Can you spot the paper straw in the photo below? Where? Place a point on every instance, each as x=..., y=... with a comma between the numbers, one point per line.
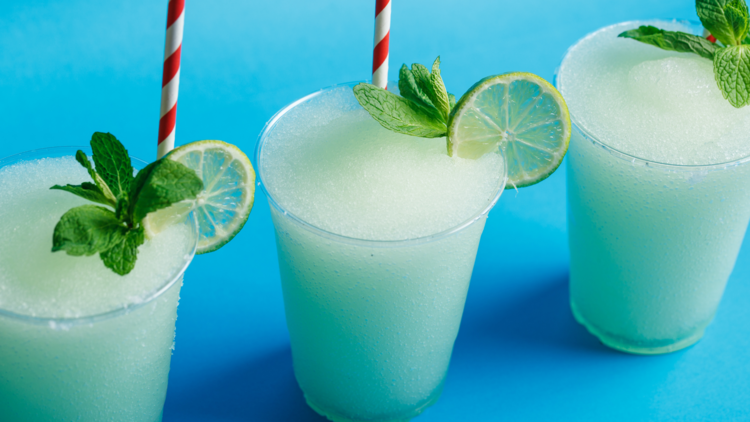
x=170, y=82
x=382, y=34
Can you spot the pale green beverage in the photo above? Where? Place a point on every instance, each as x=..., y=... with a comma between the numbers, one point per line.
x=377, y=234
x=658, y=189
x=77, y=341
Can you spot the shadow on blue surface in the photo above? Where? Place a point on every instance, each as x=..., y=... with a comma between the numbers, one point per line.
x=261, y=390
x=538, y=317
x=516, y=335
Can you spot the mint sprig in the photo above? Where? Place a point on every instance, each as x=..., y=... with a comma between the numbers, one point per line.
x=673, y=41
x=728, y=21
x=115, y=233
x=423, y=108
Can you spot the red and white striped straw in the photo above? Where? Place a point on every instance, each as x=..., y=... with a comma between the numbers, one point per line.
x=382, y=34
x=170, y=82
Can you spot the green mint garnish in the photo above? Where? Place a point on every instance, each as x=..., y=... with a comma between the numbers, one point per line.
x=104, y=194
x=121, y=257
x=438, y=94
x=673, y=41
x=732, y=70
x=411, y=89
x=728, y=21
x=725, y=20
x=112, y=162
x=86, y=230
x=163, y=183
x=116, y=232
x=423, y=109
x=86, y=190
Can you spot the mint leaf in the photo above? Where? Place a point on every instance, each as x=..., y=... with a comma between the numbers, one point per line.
x=139, y=181
x=425, y=88
x=112, y=162
x=86, y=230
x=425, y=81
x=163, y=183
x=409, y=89
x=87, y=191
x=732, y=73
x=422, y=78
x=737, y=18
x=439, y=95
x=719, y=21
x=121, y=257
x=100, y=183
x=452, y=100
x=673, y=41
x=399, y=114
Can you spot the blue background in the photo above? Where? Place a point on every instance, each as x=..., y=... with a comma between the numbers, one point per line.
x=69, y=68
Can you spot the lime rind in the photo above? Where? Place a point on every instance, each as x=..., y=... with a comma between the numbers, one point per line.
x=224, y=205
x=521, y=115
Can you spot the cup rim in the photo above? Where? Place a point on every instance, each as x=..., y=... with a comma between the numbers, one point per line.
x=67, y=322
x=634, y=159
x=348, y=239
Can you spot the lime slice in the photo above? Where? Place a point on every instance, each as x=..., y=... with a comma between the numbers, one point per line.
x=224, y=204
x=519, y=113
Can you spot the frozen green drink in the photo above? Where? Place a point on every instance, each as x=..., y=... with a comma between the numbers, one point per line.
x=377, y=234
x=77, y=341
x=658, y=189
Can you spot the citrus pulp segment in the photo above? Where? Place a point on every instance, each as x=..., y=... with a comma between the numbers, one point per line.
x=223, y=206
x=521, y=114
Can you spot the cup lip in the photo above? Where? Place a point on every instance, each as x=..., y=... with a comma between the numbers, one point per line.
x=634, y=159
x=66, y=323
x=348, y=239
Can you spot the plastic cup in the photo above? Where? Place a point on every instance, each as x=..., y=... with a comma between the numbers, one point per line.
x=651, y=244
x=110, y=366
x=371, y=323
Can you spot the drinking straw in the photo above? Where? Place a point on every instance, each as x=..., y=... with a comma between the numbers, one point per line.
x=382, y=34
x=170, y=82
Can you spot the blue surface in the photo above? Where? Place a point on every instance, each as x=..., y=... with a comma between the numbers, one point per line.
x=70, y=68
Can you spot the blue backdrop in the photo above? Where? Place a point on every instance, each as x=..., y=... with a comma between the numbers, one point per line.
x=69, y=68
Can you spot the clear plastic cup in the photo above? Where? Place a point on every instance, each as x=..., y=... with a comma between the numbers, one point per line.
x=372, y=323
x=112, y=365
x=651, y=244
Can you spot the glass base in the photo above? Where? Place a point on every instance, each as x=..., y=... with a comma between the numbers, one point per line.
x=337, y=417
x=640, y=348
